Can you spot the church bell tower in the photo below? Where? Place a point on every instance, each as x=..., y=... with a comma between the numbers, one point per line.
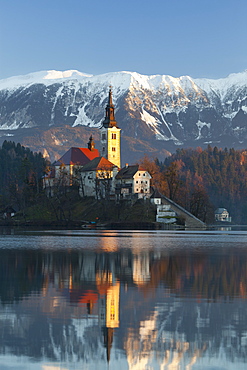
x=110, y=135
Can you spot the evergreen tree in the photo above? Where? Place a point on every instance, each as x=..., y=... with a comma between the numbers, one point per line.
x=21, y=173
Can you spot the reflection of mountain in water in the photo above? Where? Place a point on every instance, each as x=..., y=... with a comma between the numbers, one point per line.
x=157, y=307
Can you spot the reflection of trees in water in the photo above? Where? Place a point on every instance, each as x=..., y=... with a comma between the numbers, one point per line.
x=20, y=274
x=201, y=275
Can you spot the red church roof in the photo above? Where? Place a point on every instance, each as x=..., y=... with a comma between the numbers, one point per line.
x=77, y=156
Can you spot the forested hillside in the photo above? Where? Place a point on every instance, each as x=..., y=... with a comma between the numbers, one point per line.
x=21, y=173
x=203, y=180
x=199, y=180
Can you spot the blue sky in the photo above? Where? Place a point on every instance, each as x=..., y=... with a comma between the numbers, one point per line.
x=197, y=38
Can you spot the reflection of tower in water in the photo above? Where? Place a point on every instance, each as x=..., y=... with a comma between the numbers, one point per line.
x=109, y=290
x=93, y=287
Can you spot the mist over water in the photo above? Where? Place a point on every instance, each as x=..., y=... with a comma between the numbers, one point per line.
x=126, y=300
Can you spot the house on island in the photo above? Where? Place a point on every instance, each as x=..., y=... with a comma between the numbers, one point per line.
x=97, y=178
x=75, y=158
x=221, y=214
x=66, y=171
x=156, y=197
x=8, y=212
x=133, y=180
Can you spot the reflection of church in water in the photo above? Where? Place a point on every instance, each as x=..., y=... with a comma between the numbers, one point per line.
x=92, y=281
x=157, y=294
x=97, y=290
x=101, y=296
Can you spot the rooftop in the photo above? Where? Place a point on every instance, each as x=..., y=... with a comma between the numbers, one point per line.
x=129, y=171
x=99, y=163
x=77, y=156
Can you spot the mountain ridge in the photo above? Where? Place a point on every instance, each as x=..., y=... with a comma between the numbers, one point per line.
x=157, y=111
x=50, y=76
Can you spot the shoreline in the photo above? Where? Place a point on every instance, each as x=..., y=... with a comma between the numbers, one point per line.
x=121, y=225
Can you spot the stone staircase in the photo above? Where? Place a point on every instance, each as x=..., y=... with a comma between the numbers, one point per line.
x=168, y=212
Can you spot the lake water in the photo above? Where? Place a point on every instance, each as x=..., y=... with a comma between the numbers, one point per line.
x=123, y=300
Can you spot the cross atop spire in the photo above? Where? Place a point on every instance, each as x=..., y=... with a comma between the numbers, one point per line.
x=109, y=120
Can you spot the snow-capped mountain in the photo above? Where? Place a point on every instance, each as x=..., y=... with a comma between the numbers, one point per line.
x=52, y=110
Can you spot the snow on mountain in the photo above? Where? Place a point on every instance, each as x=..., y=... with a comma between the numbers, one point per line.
x=125, y=79
x=43, y=77
x=153, y=109
x=222, y=85
x=54, y=75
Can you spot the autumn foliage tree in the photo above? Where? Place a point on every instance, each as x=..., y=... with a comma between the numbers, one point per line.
x=222, y=174
x=158, y=180
x=203, y=180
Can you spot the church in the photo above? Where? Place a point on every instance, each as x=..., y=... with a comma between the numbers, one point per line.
x=99, y=173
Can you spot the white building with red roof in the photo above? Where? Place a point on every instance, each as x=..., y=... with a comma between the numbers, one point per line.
x=98, y=178
x=76, y=158
x=66, y=171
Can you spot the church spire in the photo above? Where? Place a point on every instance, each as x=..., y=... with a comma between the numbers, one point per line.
x=90, y=144
x=109, y=120
x=110, y=97
x=110, y=134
